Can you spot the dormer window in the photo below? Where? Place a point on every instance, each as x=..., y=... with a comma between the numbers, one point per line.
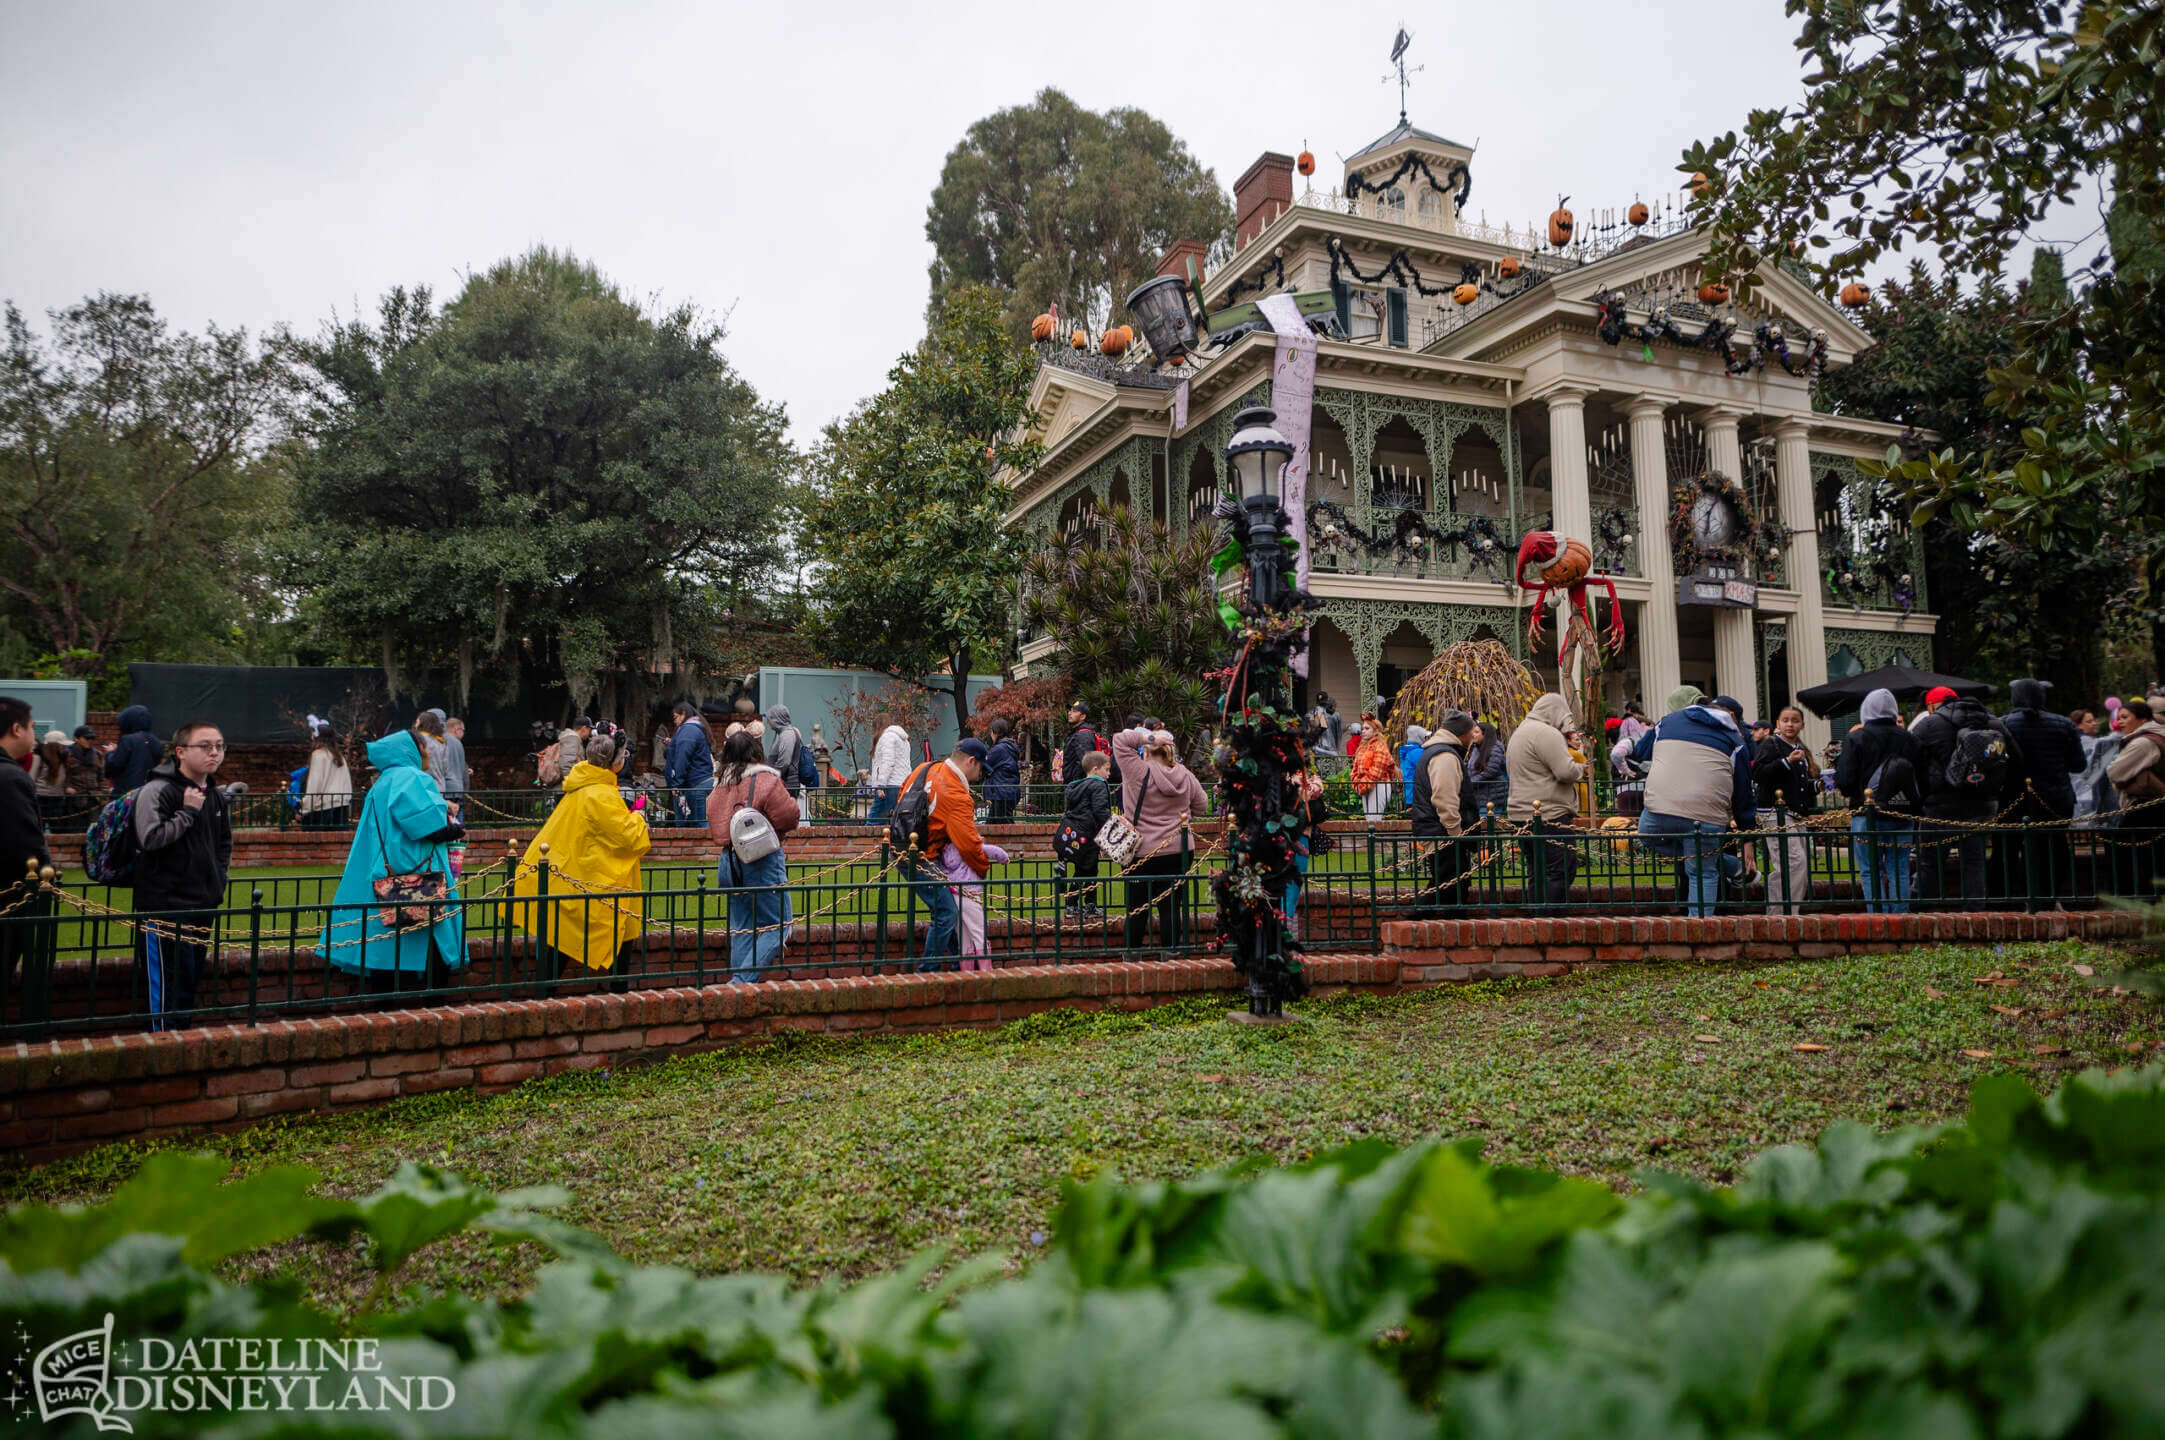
x=1431, y=209
x=1391, y=205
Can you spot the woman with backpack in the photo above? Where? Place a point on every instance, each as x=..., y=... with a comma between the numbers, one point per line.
x=748, y=814
x=327, y=787
x=49, y=773
x=1160, y=796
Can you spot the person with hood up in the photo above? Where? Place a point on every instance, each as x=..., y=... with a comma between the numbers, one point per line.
x=1877, y=772
x=1960, y=735
x=1441, y=801
x=2052, y=753
x=592, y=845
x=1698, y=782
x=128, y=763
x=1003, y=775
x=688, y=763
x=1409, y=755
x=1544, y=781
x=890, y=767
x=384, y=927
x=1372, y=768
x=785, y=752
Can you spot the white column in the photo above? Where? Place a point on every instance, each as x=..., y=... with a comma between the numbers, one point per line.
x=1571, y=508
x=1736, y=665
x=1660, y=662
x=1808, y=628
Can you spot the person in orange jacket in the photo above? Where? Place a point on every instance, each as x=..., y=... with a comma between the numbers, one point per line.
x=953, y=822
x=1373, y=767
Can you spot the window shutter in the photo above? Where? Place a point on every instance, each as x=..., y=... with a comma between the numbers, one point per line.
x=1395, y=316
x=1342, y=302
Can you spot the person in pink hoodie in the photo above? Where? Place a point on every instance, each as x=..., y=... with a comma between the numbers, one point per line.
x=969, y=891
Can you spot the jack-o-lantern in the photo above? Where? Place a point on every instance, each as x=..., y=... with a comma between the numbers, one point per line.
x=1560, y=226
x=1115, y=341
x=1306, y=164
x=1713, y=292
x=1078, y=339
x=1508, y=267
x=1041, y=328
x=1855, y=294
x=1637, y=213
x=1697, y=183
x=1466, y=294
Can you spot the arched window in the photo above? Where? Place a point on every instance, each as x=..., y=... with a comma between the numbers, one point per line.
x=1431, y=209
x=1391, y=205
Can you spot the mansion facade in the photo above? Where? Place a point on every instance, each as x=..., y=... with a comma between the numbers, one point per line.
x=1473, y=384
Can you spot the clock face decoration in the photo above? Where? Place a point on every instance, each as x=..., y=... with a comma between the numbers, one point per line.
x=1713, y=523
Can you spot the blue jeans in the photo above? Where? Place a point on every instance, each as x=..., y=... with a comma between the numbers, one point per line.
x=695, y=797
x=930, y=883
x=883, y=801
x=758, y=911
x=1881, y=851
x=1695, y=844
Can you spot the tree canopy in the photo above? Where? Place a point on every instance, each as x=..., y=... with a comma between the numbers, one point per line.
x=542, y=480
x=135, y=474
x=1963, y=126
x=906, y=519
x=1050, y=202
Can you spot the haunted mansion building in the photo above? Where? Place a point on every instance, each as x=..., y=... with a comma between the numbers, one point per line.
x=1472, y=383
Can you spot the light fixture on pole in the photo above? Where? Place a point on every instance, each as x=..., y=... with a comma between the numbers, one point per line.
x=1257, y=456
x=1160, y=307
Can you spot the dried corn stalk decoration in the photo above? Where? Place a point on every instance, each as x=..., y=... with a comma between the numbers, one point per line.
x=1479, y=677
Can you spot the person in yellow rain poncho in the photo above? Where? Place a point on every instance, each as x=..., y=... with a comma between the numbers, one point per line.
x=594, y=842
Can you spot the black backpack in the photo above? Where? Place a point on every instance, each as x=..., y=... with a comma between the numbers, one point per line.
x=909, y=824
x=1978, y=764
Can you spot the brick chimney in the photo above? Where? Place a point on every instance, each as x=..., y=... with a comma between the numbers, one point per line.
x=1263, y=193
x=1177, y=255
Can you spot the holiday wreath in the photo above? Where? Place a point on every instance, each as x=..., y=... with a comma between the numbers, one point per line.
x=1754, y=540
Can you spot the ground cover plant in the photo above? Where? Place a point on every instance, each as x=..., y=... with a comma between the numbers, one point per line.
x=824, y=1159
x=2001, y=1277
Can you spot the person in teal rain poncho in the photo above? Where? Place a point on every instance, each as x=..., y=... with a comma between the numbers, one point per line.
x=403, y=828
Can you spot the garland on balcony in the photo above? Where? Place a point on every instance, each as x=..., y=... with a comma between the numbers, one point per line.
x=1768, y=341
x=1407, y=534
x=1399, y=267
x=1271, y=274
x=1755, y=540
x=1355, y=183
x=1855, y=577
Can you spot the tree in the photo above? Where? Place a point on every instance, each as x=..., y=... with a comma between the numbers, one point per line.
x=908, y=514
x=1051, y=202
x=860, y=720
x=542, y=478
x=1034, y=710
x=1963, y=125
x=2006, y=607
x=135, y=475
x=1135, y=614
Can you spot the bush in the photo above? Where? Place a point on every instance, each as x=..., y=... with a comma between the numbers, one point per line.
x=2005, y=1277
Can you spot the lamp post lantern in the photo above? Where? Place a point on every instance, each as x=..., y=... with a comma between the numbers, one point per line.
x=1160, y=307
x=1262, y=749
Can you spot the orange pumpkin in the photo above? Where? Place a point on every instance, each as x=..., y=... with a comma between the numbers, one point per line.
x=1637, y=213
x=1697, y=183
x=1855, y=294
x=1713, y=293
x=1466, y=294
x=1078, y=339
x=1560, y=223
x=1115, y=341
x=1508, y=266
x=1041, y=328
x=989, y=456
x=1306, y=164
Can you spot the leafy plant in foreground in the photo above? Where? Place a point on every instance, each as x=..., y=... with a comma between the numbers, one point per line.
x=2004, y=1277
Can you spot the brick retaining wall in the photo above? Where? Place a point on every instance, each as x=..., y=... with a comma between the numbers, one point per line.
x=63, y=1096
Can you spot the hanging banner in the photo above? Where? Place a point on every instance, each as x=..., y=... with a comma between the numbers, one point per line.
x=1292, y=396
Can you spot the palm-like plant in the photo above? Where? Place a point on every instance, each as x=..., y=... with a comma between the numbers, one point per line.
x=1132, y=607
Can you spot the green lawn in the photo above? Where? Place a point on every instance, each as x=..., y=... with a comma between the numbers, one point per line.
x=829, y=1157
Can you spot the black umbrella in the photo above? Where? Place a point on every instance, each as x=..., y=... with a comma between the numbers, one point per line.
x=1839, y=697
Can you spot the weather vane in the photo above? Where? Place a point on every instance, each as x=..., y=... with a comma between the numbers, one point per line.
x=1399, y=46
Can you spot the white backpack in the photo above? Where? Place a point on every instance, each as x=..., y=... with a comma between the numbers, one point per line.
x=751, y=833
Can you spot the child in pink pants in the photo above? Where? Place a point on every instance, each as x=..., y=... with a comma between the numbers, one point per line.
x=969, y=890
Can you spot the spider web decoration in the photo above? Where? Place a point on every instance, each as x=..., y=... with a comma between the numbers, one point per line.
x=1612, y=489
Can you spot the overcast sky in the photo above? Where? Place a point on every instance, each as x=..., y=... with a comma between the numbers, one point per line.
x=274, y=163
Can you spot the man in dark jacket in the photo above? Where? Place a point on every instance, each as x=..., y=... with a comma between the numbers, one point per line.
x=1955, y=807
x=688, y=768
x=1081, y=740
x=1003, y=774
x=2051, y=749
x=25, y=933
x=184, y=845
x=128, y=764
x=1877, y=772
x=1442, y=806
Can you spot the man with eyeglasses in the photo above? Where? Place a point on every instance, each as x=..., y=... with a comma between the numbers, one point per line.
x=184, y=844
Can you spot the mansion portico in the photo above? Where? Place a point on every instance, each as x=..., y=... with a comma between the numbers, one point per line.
x=1474, y=383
